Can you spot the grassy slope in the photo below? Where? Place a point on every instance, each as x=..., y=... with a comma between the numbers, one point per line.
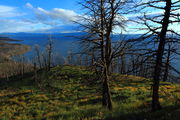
x=72, y=93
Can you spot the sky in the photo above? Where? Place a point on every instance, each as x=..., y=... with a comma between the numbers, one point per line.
x=37, y=15
x=43, y=16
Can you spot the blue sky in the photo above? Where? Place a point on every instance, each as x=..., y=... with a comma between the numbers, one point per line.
x=46, y=4
x=44, y=16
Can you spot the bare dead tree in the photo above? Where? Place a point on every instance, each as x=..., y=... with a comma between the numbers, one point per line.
x=158, y=29
x=171, y=51
x=99, y=22
x=167, y=63
x=49, y=48
x=39, y=57
x=70, y=57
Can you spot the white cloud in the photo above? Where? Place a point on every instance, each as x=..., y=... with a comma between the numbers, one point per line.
x=14, y=26
x=8, y=11
x=54, y=16
x=134, y=16
x=66, y=15
x=28, y=5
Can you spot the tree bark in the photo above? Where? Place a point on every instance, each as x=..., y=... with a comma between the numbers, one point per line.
x=106, y=91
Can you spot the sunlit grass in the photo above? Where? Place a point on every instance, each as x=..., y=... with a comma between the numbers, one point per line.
x=76, y=95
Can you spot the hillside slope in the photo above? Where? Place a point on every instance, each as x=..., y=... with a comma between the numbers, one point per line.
x=73, y=93
x=10, y=51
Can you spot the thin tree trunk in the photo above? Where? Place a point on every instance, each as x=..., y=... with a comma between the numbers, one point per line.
x=166, y=72
x=35, y=74
x=155, y=97
x=106, y=91
x=123, y=70
x=104, y=102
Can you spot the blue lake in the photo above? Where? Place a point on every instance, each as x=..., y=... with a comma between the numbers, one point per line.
x=63, y=42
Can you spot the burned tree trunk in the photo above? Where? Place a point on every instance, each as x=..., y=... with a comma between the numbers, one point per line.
x=106, y=100
x=37, y=50
x=155, y=97
x=49, y=51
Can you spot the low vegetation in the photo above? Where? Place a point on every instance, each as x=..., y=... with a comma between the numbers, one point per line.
x=73, y=93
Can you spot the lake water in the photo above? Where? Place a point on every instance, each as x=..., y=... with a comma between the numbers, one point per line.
x=62, y=42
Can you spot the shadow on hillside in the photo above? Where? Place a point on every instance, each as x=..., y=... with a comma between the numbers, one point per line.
x=167, y=113
x=18, y=80
x=5, y=83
